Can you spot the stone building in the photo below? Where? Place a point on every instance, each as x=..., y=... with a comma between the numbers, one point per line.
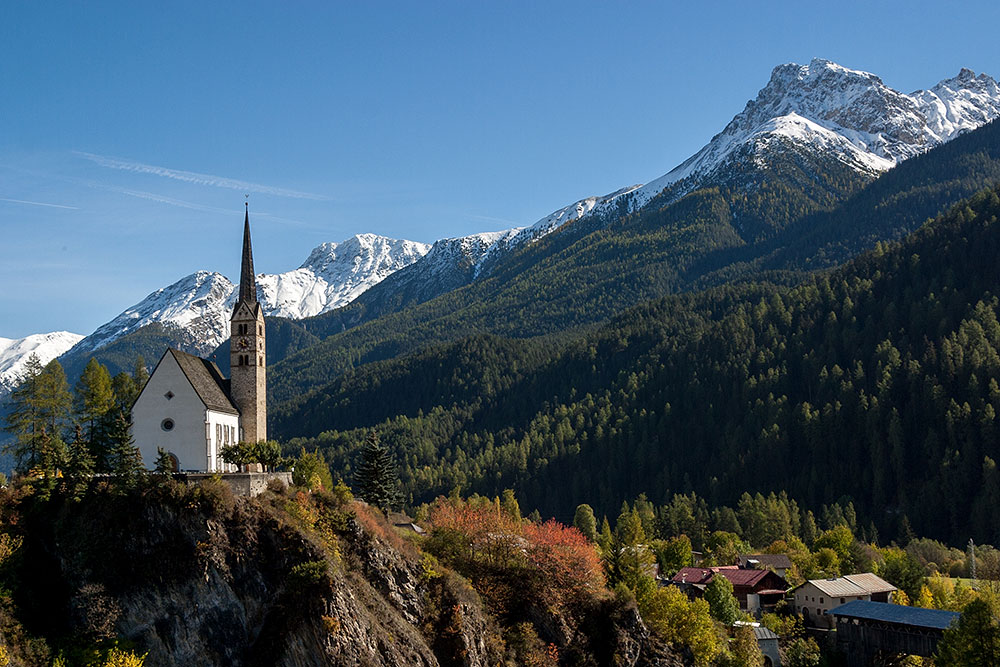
x=188, y=409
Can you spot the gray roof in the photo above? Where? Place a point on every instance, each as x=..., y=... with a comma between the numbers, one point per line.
x=893, y=613
x=762, y=633
x=852, y=584
x=207, y=380
x=776, y=561
x=870, y=582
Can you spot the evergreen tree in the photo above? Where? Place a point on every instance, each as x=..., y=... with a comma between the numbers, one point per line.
x=376, y=479
x=585, y=521
x=125, y=459
x=80, y=467
x=40, y=408
x=164, y=462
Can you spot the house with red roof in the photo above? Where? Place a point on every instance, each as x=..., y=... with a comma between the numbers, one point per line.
x=755, y=590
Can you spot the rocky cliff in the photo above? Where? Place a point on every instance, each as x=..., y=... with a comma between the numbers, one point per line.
x=195, y=576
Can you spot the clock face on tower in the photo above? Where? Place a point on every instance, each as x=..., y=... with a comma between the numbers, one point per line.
x=243, y=344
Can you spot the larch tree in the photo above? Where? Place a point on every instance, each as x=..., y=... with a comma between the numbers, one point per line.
x=40, y=410
x=94, y=399
x=585, y=521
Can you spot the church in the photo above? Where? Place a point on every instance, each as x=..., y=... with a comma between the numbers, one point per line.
x=190, y=410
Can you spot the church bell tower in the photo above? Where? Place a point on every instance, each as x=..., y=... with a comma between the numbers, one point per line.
x=246, y=355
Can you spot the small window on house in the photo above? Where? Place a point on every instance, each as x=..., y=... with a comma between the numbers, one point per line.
x=821, y=600
x=842, y=600
x=261, y=360
x=167, y=424
x=260, y=330
x=168, y=395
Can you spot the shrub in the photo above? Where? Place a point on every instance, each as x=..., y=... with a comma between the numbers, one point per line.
x=313, y=575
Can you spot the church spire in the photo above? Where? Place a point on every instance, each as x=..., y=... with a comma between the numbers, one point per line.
x=248, y=282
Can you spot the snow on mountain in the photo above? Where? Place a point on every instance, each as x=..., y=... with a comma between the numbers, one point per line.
x=14, y=353
x=822, y=107
x=848, y=114
x=475, y=254
x=199, y=305
x=335, y=274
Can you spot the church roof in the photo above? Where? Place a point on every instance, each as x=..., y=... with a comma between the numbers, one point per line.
x=207, y=380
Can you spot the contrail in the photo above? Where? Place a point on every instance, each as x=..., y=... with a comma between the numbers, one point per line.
x=196, y=178
x=38, y=203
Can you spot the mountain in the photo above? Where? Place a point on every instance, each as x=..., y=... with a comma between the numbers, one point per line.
x=813, y=136
x=594, y=267
x=846, y=115
x=195, y=310
x=453, y=263
x=14, y=353
x=335, y=274
x=878, y=383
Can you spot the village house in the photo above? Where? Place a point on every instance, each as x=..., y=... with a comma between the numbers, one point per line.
x=780, y=563
x=755, y=590
x=815, y=598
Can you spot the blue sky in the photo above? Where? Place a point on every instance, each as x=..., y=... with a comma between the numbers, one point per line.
x=130, y=132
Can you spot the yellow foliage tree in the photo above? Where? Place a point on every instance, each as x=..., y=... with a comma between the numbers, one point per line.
x=682, y=622
x=925, y=599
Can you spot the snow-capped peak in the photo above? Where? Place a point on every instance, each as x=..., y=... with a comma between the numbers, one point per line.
x=335, y=274
x=199, y=305
x=14, y=354
x=850, y=114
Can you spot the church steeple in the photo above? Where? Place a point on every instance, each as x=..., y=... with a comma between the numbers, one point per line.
x=247, y=352
x=248, y=282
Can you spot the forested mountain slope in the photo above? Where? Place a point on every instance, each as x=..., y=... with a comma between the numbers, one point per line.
x=581, y=275
x=878, y=381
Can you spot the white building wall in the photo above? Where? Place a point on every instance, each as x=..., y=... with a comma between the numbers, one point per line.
x=815, y=605
x=193, y=425
x=223, y=429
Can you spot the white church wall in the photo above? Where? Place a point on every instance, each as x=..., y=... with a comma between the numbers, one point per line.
x=169, y=414
x=223, y=429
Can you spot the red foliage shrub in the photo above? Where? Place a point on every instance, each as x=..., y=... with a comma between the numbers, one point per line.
x=567, y=561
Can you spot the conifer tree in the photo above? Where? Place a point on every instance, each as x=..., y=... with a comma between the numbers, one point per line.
x=93, y=401
x=508, y=503
x=39, y=412
x=376, y=479
x=80, y=466
x=585, y=521
x=164, y=462
x=125, y=459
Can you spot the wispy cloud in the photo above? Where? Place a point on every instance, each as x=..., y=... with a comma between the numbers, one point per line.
x=38, y=203
x=162, y=199
x=196, y=178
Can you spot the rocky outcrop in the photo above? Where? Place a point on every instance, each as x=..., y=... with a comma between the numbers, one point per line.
x=194, y=575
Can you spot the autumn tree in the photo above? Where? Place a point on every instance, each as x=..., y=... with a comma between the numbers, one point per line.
x=744, y=650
